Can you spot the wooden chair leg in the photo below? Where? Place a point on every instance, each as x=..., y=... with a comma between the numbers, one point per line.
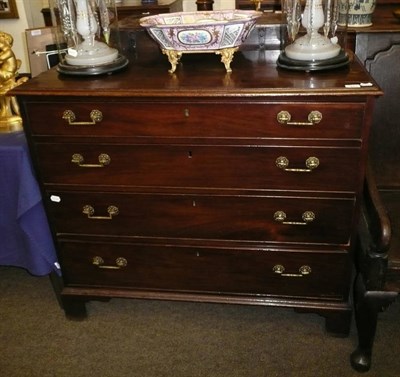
x=367, y=306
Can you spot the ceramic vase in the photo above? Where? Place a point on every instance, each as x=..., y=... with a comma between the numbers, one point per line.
x=359, y=12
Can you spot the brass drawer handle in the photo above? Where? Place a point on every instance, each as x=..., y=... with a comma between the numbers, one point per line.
x=104, y=159
x=89, y=212
x=303, y=271
x=95, y=115
x=120, y=262
x=311, y=163
x=284, y=117
x=307, y=216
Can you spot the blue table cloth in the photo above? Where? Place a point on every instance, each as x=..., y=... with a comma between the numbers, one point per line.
x=25, y=238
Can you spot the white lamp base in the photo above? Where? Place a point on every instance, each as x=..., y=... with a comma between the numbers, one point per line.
x=309, y=48
x=94, y=54
x=339, y=61
x=92, y=70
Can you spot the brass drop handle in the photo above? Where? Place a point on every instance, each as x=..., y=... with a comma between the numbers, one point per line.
x=303, y=271
x=120, y=262
x=307, y=217
x=311, y=163
x=104, y=159
x=88, y=210
x=284, y=117
x=95, y=115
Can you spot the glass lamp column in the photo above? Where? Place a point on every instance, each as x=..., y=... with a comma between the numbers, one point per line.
x=89, y=29
x=312, y=30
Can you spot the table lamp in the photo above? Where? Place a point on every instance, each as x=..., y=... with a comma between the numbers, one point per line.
x=315, y=39
x=87, y=36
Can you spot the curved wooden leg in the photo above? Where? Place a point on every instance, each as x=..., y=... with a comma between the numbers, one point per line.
x=367, y=306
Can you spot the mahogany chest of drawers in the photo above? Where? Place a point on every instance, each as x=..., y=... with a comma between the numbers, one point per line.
x=203, y=186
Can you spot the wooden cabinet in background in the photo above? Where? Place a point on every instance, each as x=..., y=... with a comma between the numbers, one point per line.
x=378, y=282
x=380, y=52
x=265, y=5
x=135, y=8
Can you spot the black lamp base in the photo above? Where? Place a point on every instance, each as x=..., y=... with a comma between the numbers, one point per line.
x=338, y=61
x=92, y=70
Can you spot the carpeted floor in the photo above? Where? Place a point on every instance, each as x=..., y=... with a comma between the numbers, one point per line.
x=124, y=338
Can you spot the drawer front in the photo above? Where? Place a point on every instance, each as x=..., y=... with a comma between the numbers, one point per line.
x=232, y=120
x=253, y=167
x=244, y=218
x=206, y=270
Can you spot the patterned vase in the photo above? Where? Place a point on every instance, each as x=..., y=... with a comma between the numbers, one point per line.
x=359, y=14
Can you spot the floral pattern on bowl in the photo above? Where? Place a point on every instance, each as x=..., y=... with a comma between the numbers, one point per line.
x=200, y=30
x=221, y=32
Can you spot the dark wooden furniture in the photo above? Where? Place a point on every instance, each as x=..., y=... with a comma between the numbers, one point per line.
x=237, y=188
x=378, y=282
x=47, y=16
x=204, y=4
x=378, y=264
x=135, y=8
x=264, y=5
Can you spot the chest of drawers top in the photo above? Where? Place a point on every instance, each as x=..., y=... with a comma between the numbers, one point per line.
x=202, y=77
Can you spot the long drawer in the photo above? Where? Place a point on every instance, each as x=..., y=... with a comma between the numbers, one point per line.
x=220, y=217
x=196, y=120
x=242, y=167
x=195, y=269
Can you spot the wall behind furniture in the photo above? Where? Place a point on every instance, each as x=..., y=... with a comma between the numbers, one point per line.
x=29, y=17
x=33, y=12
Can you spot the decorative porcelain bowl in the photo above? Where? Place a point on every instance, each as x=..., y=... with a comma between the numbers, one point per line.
x=220, y=32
